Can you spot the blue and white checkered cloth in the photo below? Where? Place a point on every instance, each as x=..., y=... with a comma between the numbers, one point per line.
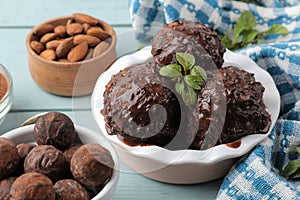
x=257, y=175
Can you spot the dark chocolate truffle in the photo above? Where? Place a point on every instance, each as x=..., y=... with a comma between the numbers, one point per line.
x=32, y=186
x=141, y=107
x=47, y=160
x=68, y=153
x=24, y=149
x=92, y=165
x=230, y=106
x=5, y=186
x=9, y=157
x=54, y=128
x=188, y=37
x=67, y=189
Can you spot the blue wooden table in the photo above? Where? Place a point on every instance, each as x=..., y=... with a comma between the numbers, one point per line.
x=16, y=19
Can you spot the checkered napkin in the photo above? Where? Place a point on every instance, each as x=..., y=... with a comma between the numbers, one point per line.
x=257, y=175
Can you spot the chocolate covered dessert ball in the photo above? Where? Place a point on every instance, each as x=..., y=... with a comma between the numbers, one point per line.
x=141, y=107
x=24, y=149
x=47, y=160
x=32, y=186
x=230, y=106
x=54, y=128
x=70, y=189
x=188, y=37
x=9, y=157
x=5, y=186
x=92, y=165
x=68, y=153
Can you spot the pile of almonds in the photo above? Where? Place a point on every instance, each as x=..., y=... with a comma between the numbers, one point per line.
x=81, y=38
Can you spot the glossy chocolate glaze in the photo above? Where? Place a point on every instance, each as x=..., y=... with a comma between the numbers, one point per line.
x=189, y=37
x=140, y=107
x=236, y=94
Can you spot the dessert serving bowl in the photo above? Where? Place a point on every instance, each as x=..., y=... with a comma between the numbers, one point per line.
x=6, y=90
x=59, y=71
x=185, y=166
x=25, y=135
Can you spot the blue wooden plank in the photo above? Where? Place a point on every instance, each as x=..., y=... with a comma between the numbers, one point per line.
x=16, y=13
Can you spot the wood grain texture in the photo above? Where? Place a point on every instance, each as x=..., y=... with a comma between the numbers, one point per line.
x=28, y=13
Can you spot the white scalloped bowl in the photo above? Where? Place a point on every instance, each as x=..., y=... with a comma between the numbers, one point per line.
x=24, y=135
x=184, y=166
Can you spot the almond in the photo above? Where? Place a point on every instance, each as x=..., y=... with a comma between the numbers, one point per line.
x=74, y=29
x=64, y=47
x=78, y=52
x=48, y=37
x=83, y=18
x=53, y=44
x=98, y=32
x=90, y=40
x=48, y=54
x=86, y=27
x=60, y=31
x=37, y=46
x=100, y=48
x=63, y=60
x=43, y=29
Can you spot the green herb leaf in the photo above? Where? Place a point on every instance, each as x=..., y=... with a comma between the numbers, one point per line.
x=291, y=168
x=199, y=71
x=246, y=21
x=186, y=60
x=297, y=150
x=277, y=29
x=249, y=36
x=194, y=82
x=227, y=41
x=244, y=32
x=296, y=174
x=189, y=96
x=172, y=71
x=179, y=86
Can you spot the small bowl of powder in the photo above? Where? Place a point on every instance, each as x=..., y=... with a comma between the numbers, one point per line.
x=5, y=92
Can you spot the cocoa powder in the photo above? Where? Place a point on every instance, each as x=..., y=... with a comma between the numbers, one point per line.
x=3, y=86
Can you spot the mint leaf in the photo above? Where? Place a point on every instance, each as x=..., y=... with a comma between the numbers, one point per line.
x=249, y=36
x=189, y=96
x=297, y=150
x=247, y=20
x=194, y=82
x=296, y=174
x=227, y=41
x=179, y=86
x=291, y=168
x=199, y=71
x=172, y=71
x=186, y=60
x=277, y=29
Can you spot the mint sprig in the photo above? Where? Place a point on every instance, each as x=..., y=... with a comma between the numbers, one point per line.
x=292, y=169
x=189, y=77
x=244, y=32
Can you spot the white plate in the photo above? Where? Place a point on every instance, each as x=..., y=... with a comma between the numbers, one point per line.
x=195, y=166
x=24, y=135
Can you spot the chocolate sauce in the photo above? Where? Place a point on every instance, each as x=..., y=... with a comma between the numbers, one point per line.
x=236, y=144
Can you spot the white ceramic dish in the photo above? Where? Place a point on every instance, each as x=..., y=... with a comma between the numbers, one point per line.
x=6, y=101
x=184, y=166
x=24, y=135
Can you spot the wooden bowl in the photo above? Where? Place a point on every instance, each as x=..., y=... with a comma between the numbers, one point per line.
x=65, y=78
